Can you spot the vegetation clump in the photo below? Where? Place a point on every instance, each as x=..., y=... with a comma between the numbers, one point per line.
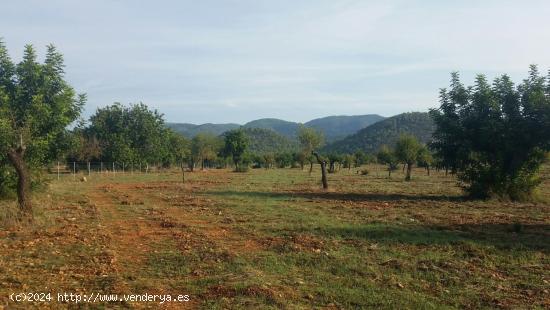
x=495, y=137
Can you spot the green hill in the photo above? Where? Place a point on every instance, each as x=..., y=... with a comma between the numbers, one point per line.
x=386, y=132
x=338, y=127
x=285, y=128
x=268, y=141
x=333, y=127
x=191, y=130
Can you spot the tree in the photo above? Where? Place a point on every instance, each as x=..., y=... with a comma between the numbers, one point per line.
x=284, y=159
x=36, y=106
x=323, y=162
x=204, y=147
x=333, y=159
x=494, y=136
x=360, y=158
x=387, y=157
x=130, y=134
x=348, y=160
x=236, y=144
x=179, y=151
x=406, y=151
x=425, y=158
x=310, y=140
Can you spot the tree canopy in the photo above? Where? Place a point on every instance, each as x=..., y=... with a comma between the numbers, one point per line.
x=36, y=106
x=494, y=135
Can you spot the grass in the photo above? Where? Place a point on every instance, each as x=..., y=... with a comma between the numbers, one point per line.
x=273, y=239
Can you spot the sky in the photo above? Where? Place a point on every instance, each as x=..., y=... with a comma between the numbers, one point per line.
x=240, y=60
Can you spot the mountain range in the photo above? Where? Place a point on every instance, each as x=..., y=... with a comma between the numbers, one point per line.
x=333, y=127
x=343, y=134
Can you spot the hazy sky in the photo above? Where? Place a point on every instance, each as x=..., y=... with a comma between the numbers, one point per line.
x=234, y=61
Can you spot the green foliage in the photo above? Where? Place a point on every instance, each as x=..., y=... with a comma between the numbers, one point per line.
x=236, y=144
x=36, y=106
x=407, y=149
x=285, y=128
x=262, y=141
x=130, y=134
x=425, y=158
x=284, y=159
x=494, y=136
x=205, y=148
x=387, y=157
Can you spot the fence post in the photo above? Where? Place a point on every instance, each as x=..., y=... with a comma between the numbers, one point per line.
x=58, y=170
x=114, y=168
x=74, y=170
x=88, y=168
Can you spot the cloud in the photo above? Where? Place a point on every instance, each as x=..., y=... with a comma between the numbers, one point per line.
x=233, y=61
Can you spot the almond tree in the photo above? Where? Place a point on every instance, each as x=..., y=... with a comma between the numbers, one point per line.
x=494, y=136
x=36, y=106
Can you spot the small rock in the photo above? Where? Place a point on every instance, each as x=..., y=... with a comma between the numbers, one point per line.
x=83, y=179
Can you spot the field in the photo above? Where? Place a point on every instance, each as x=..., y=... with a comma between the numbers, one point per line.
x=273, y=239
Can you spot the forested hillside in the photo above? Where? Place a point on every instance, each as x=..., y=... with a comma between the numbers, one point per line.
x=262, y=141
x=191, y=130
x=282, y=127
x=338, y=127
x=333, y=127
x=385, y=132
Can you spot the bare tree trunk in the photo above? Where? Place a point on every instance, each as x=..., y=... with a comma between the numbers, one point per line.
x=23, y=179
x=323, y=164
x=182, y=173
x=409, y=168
x=310, y=167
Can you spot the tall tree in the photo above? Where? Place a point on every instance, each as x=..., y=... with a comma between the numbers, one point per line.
x=130, y=134
x=36, y=106
x=310, y=140
x=425, y=158
x=180, y=151
x=387, y=157
x=406, y=151
x=494, y=136
x=204, y=148
x=236, y=144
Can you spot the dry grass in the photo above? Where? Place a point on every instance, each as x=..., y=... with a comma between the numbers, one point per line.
x=274, y=239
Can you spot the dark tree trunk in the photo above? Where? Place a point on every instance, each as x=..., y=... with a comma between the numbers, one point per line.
x=23, y=179
x=389, y=173
x=408, y=176
x=428, y=168
x=310, y=167
x=331, y=169
x=182, y=172
x=323, y=164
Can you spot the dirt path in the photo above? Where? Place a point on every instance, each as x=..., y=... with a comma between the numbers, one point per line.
x=139, y=217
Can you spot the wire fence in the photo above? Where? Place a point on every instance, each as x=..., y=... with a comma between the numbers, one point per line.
x=74, y=168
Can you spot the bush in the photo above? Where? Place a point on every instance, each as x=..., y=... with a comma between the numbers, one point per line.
x=494, y=136
x=364, y=172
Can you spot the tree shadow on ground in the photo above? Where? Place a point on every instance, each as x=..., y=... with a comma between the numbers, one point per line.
x=502, y=236
x=340, y=196
x=516, y=236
